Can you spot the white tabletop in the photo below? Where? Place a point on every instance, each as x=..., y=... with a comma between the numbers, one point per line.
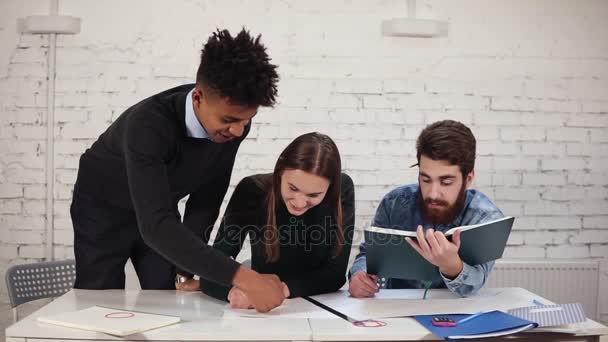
x=201, y=318
x=440, y=301
x=205, y=318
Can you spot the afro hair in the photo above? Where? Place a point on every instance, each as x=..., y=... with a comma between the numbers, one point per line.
x=239, y=69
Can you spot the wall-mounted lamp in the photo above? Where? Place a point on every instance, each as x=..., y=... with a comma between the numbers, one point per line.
x=46, y=24
x=412, y=27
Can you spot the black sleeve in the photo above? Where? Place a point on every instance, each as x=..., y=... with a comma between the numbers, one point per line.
x=331, y=276
x=239, y=219
x=203, y=206
x=149, y=144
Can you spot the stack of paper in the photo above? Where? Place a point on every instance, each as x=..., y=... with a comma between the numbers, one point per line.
x=110, y=321
x=551, y=315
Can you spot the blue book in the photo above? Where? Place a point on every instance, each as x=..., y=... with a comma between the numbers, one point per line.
x=489, y=324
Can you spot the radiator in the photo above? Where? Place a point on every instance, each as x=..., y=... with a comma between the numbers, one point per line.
x=558, y=281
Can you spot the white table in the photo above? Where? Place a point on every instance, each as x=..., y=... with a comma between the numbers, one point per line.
x=203, y=320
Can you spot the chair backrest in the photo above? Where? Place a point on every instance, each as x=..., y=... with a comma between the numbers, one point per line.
x=39, y=280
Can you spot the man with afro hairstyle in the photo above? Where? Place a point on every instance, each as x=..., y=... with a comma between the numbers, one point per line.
x=180, y=142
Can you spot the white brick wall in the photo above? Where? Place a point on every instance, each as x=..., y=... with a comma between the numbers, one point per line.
x=534, y=89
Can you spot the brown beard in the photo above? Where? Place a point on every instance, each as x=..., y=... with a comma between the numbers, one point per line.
x=444, y=215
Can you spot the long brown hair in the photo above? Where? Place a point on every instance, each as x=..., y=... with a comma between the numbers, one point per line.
x=316, y=154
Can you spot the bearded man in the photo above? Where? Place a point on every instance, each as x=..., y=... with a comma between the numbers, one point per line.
x=440, y=201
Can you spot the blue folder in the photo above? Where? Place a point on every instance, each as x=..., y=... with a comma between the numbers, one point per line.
x=489, y=324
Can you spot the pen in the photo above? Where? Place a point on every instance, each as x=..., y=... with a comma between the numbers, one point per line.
x=466, y=319
x=427, y=286
x=332, y=310
x=537, y=303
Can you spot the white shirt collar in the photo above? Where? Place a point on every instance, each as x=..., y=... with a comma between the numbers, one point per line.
x=194, y=128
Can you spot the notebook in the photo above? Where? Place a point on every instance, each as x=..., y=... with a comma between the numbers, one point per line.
x=551, y=315
x=490, y=324
x=115, y=322
x=390, y=256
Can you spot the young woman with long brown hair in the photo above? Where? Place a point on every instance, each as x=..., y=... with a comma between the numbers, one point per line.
x=299, y=219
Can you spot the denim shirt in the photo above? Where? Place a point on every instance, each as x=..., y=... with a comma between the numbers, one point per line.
x=400, y=209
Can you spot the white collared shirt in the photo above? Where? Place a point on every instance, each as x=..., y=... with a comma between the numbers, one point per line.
x=194, y=128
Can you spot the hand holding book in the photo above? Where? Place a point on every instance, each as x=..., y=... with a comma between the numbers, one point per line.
x=389, y=255
x=438, y=250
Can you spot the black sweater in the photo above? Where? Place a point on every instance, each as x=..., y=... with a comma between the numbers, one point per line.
x=145, y=162
x=306, y=263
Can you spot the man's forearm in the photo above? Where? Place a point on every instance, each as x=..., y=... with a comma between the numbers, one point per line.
x=358, y=265
x=470, y=280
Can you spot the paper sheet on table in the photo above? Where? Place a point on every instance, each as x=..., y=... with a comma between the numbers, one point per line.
x=291, y=308
x=419, y=293
x=399, y=294
x=437, y=302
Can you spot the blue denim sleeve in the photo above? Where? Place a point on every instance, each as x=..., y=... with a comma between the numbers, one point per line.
x=360, y=263
x=472, y=278
x=381, y=219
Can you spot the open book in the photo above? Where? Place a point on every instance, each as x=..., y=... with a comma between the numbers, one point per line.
x=389, y=255
x=117, y=322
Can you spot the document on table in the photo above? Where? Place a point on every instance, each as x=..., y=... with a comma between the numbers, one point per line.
x=399, y=294
x=416, y=294
x=394, y=303
x=437, y=302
